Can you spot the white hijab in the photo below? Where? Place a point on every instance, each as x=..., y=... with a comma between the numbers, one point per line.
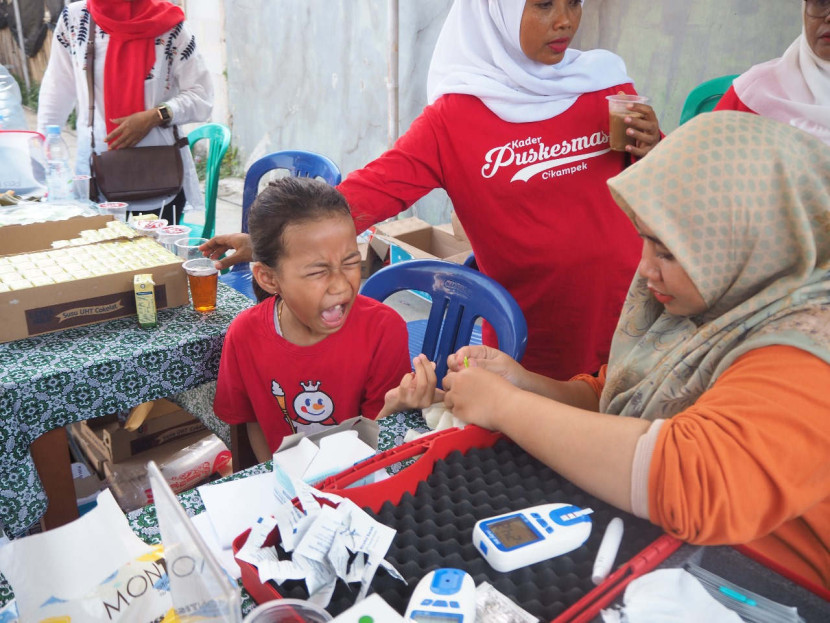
x=794, y=89
x=478, y=53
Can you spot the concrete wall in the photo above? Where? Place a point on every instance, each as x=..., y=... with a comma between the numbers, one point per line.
x=311, y=74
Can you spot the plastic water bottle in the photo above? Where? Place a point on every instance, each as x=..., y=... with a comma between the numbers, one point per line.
x=58, y=173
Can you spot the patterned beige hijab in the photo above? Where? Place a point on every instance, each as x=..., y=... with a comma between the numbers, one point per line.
x=743, y=203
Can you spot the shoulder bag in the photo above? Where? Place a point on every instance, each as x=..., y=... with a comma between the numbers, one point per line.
x=132, y=173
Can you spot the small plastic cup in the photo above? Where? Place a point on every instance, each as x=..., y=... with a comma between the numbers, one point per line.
x=148, y=227
x=287, y=611
x=81, y=185
x=203, y=279
x=618, y=111
x=188, y=248
x=118, y=209
x=168, y=235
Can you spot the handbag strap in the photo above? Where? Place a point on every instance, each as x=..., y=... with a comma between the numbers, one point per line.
x=90, y=79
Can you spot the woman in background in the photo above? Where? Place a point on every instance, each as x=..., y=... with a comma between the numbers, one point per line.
x=795, y=88
x=149, y=75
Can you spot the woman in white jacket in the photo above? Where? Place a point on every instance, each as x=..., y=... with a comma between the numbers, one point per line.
x=148, y=75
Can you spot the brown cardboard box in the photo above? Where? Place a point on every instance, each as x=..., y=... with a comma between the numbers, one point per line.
x=112, y=442
x=58, y=306
x=370, y=262
x=121, y=444
x=412, y=238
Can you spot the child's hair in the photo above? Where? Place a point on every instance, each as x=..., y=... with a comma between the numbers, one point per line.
x=287, y=201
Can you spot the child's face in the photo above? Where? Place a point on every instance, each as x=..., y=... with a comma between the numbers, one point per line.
x=318, y=277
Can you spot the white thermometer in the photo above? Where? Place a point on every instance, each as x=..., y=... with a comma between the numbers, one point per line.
x=443, y=596
x=528, y=536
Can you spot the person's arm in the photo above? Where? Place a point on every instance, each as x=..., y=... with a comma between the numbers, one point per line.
x=593, y=450
x=399, y=177
x=576, y=392
x=57, y=96
x=256, y=437
x=389, y=361
x=749, y=455
x=193, y=99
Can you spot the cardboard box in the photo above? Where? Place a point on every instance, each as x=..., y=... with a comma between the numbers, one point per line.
x=122, y=444
x=412, y=238
x=113, y=443
x=58, y=306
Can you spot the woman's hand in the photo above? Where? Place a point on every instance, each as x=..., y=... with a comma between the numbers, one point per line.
x=132, y=129
x=644, y=128
x=418, y=389
x=490, y=359
x=478, y=396
x=216, y=246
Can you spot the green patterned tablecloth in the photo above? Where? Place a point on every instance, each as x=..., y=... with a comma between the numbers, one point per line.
x=56, y=379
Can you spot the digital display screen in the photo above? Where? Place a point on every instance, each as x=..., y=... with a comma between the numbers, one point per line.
x=513, y=532
x=428, y=617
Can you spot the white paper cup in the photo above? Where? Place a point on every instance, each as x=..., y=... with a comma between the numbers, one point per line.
x=287, y=611
x=118, y=209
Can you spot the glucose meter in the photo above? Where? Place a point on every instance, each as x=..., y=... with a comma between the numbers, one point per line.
x=443, y=596
x=528, y=536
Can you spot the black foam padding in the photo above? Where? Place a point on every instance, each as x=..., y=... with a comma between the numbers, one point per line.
x=435, y=529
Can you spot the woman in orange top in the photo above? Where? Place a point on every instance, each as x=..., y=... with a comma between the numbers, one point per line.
x=721, y=356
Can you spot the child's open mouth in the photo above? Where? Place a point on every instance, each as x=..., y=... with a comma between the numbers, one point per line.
x=334, y=315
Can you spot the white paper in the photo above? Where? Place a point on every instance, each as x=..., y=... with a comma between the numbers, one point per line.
x=71, y=560
x=337, y=452
x=224, y=556
x=235, y=505
x=295, y=460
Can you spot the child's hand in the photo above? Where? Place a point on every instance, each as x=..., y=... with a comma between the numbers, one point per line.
x=418, y=389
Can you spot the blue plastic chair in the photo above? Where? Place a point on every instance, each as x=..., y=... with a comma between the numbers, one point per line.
x=460, y=296
x=219, y=139
x=298, y=164
x=705, y=96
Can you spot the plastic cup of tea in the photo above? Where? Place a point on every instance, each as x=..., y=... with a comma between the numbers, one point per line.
x=168, y=235
x=188, y=248
x=203, y=277
x=618, y=111
x=287, y=611
x=81, y=186
x=118, y=209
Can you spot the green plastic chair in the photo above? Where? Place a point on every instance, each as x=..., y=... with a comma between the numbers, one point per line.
x=705, y=96
x=219, y=137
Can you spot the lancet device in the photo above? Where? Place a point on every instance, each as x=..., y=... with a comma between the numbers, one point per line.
x=443, y=596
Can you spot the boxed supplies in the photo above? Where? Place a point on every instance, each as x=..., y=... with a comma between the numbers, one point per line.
x=113, y=442
x=184, y=463
x=165, y=422
x=62, y=274
x=412, y=238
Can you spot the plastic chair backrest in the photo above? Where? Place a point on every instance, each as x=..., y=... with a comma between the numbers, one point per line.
x=705, y=96
x=219, y=139
x=297, y=163
x=460, y=296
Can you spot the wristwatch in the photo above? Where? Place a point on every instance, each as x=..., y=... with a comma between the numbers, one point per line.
x=164, y=114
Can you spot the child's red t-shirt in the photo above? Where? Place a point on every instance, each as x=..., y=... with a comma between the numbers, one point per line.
x=289, y=388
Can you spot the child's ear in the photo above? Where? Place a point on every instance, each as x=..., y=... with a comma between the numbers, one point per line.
x=266, y=277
